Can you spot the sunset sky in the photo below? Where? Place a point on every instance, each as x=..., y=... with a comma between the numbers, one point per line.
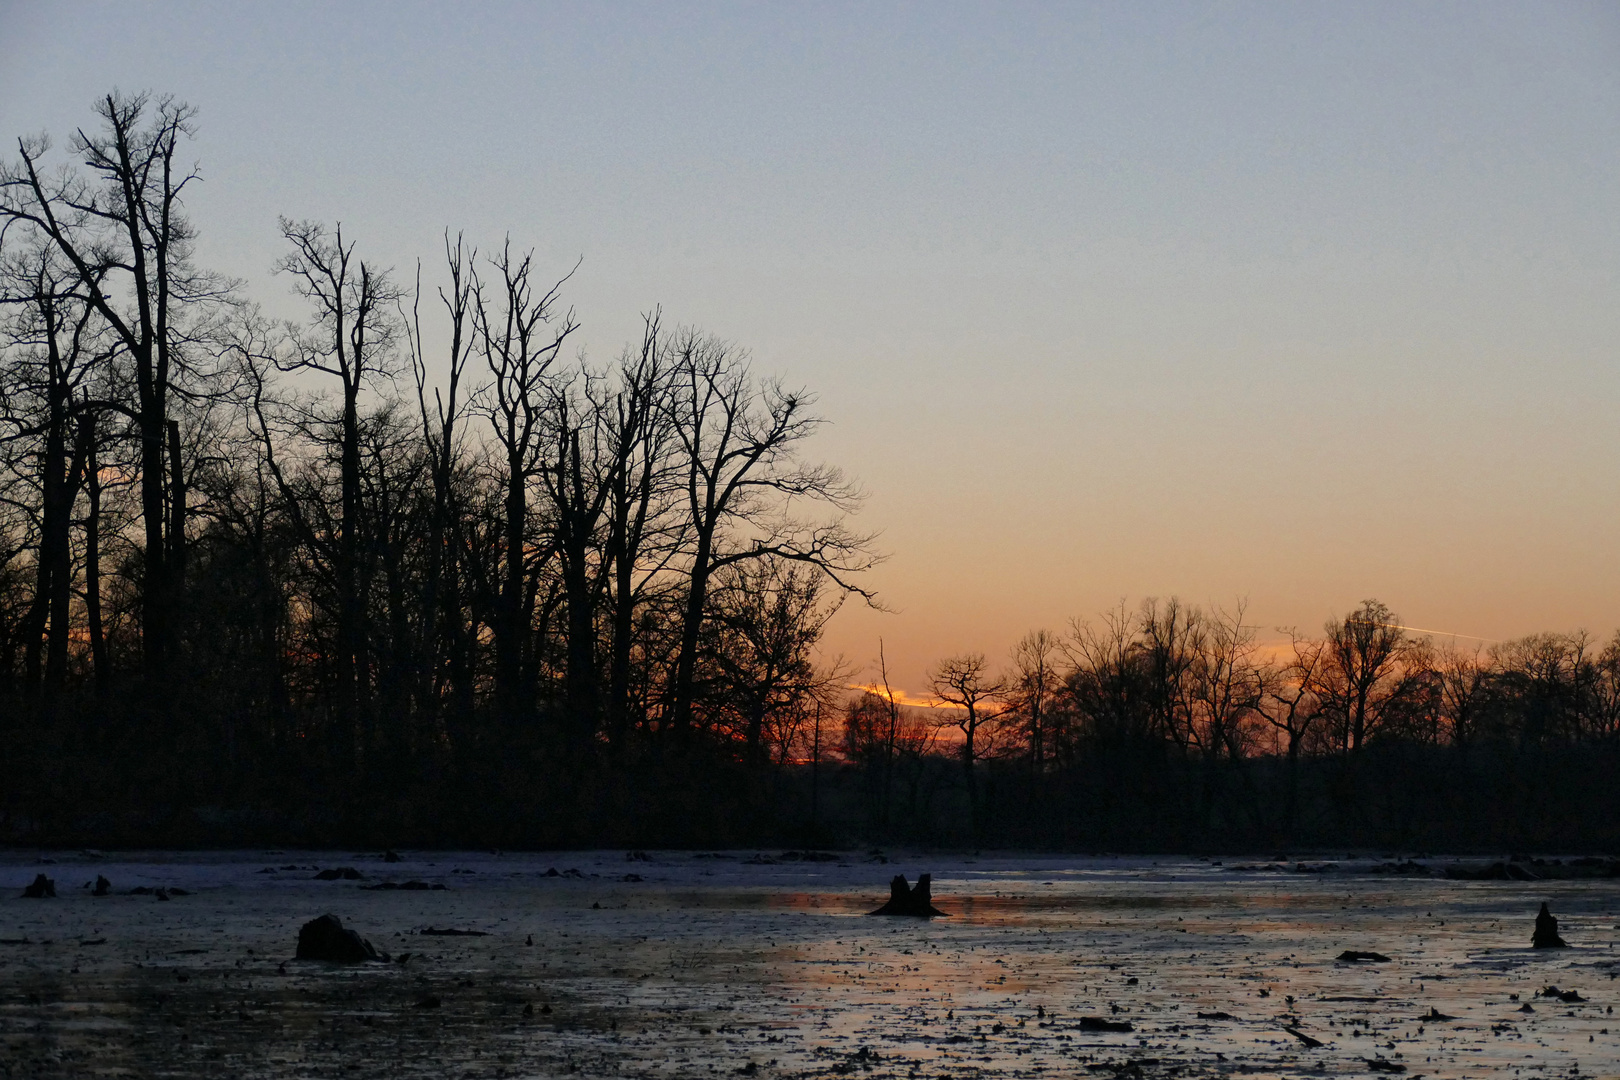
x=1301, y=304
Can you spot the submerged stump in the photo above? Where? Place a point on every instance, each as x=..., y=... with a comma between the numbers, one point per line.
x=915, y=900
x=1546, y=932
x=42, y=888
x=326, y=939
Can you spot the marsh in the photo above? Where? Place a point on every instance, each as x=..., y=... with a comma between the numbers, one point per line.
x=692, y=964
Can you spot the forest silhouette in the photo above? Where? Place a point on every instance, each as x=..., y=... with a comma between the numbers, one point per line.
x=407, y=570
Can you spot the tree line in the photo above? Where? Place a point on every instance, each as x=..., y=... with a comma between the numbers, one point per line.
x=1175, y=721
x=412, y=532
x=413, y=568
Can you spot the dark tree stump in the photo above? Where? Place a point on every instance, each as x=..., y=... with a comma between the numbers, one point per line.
x=910, y=900
x=326, y=939
x=42, y=888
x=1546, y=933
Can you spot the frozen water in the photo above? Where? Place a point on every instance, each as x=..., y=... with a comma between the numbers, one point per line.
x=698, y=964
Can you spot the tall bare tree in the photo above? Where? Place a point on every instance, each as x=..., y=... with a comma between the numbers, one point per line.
x=589, y=449
x=95, y=625
x=52, y=348
x=520, y=334
x=768, y=617
x=1170, y=641
x=445, y=631
x=966, y=683
x=1293, y=706
x=1362, y=681
x=123, y=232
x=350, y=338
x=644, y=531
x=1031, y=690
x=738, y=445
x=1228, y=685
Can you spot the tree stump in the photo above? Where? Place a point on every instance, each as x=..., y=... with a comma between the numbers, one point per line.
x=42, y=888
x=326, y=939
x=910, y=900
x=1546, y=933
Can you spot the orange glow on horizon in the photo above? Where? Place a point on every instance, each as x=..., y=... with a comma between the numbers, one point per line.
x=900, y=697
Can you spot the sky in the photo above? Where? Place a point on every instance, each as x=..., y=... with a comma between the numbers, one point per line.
x=1282, y=304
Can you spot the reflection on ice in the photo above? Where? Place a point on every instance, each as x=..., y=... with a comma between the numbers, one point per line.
x=1048, y=966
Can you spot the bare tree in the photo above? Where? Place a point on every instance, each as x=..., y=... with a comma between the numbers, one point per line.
x=1464, y=679
x=893, y=725
x=1171, y=640
x=1105, y=682
x=445, y=631
x=519, y=337
x=1605, y=712
x=1292, y=706
x=738, y=446
x=644, y=531
x=14, y=593
x=1031, y=690
x=768, y=616
x=126, y=238
x=609, y=465
x=795, y=734
x=1361, y=680
x=965, y=682
x=1549, y=683
x=350, y=338
x=96, y=629
x=52, y=351
x=892, y=742
x=1228, y=685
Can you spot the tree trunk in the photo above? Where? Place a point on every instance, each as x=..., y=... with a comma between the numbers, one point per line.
x=623, y=629
x=815, y=771
x=509, y=635
x=458, y=632
x=62, y=567
x=581, y=673
x=629, y=516
x=176, y=568
x=968, y=759
x=47, y=623
x=349, y=639
x=92, y=556
x=577, y=519
x=691, y=627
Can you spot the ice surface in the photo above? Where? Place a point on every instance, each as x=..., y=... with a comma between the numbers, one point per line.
x=719, y=963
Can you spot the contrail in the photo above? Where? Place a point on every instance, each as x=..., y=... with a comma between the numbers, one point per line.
x=1449, y=633
x=1419, y=630
x=1446, y=633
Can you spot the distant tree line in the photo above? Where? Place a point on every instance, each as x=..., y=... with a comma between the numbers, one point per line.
x=1174, y=726
x=410, y=568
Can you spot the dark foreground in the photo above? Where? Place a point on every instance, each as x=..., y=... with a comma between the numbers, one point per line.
x=683, y=965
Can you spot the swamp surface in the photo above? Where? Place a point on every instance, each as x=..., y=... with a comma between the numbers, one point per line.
x=610, y=964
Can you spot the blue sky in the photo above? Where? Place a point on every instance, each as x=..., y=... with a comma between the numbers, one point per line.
x=1298, y=303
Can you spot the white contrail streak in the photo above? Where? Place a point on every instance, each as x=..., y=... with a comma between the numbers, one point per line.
x=1448, y=633
x=1421, y=630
